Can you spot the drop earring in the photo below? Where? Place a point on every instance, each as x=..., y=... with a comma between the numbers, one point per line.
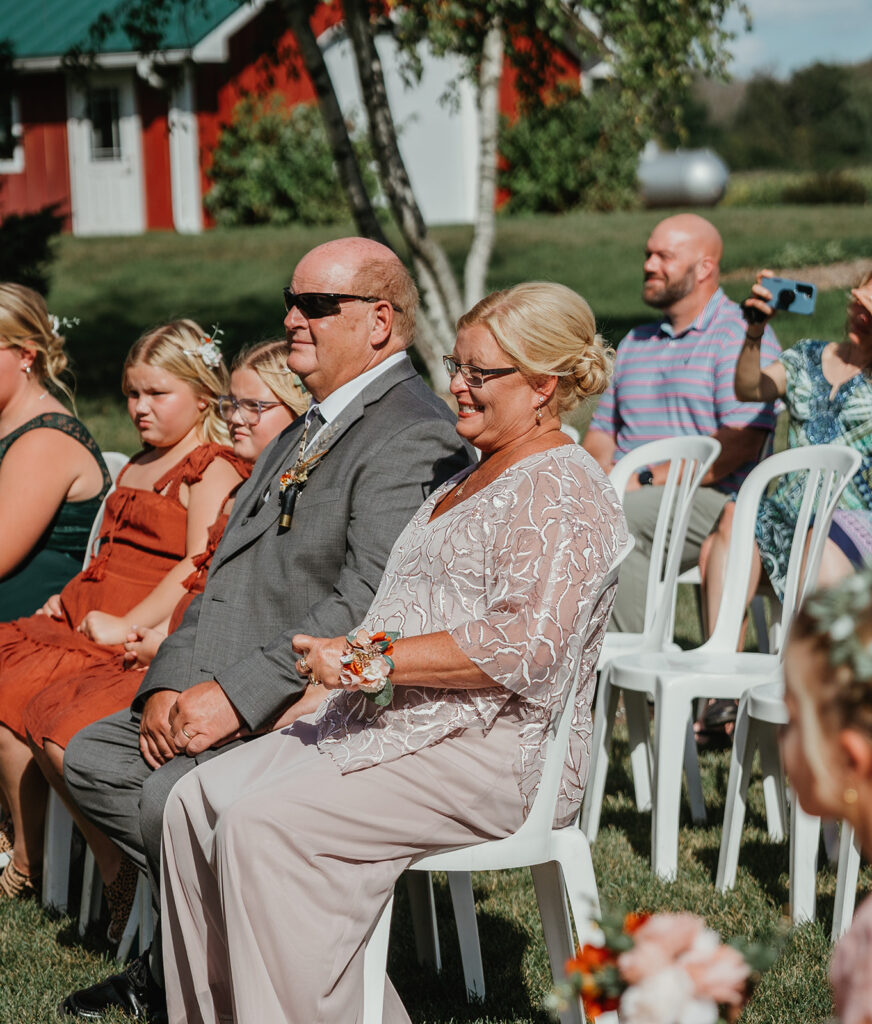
x=539, y=414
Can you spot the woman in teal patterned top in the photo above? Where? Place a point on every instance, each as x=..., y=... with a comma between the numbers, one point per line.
x=827, y=390
x=52, y=476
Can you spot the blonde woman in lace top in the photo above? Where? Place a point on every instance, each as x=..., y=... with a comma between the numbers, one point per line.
x=299, y=836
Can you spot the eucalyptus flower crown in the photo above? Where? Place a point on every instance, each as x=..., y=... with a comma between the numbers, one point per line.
x=62, y=322
x=834, y=613
x=209, y=349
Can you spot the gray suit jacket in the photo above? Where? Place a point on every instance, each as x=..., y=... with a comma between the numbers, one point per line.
x=388, y=450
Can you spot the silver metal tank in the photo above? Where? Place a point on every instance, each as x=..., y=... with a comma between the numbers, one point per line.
x=684, y=177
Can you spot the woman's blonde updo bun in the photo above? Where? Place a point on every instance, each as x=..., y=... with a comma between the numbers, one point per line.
x=177, y=347
x=547, y=330
x=25, y=324
x=269, y=360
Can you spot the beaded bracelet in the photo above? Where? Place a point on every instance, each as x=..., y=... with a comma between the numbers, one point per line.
x=366, y=664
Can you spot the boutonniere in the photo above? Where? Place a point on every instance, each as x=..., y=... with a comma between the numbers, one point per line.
x=293, y=480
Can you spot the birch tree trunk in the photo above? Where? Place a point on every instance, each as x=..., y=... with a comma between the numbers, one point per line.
x=297, y=14
x=478, y=257
x=439, y=289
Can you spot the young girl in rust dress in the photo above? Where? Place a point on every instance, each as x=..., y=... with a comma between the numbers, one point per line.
x=156, y=521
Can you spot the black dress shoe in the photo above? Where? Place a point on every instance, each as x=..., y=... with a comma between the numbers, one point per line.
x=134, y=991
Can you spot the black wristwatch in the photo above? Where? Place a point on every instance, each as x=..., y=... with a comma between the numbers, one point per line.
x=645, y=477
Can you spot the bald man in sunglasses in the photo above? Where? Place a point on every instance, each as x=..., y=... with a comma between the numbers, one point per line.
x=303, y=552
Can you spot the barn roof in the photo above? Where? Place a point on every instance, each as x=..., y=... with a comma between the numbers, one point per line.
x=49, y=28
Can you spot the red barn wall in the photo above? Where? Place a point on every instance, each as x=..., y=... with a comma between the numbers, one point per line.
x=46, y=177
x=152, y=107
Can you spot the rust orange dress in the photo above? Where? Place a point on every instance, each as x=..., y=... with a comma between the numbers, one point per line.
x=142, y=537
x=59, y=711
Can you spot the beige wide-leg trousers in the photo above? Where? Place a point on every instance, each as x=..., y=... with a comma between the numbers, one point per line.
x=275, y=865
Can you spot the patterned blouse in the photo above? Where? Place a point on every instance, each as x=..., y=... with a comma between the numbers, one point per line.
x=511, y=573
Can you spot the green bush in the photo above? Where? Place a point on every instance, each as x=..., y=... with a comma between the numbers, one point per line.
x=827, y=187
x=575, y=151
x=274, y=166
x=26, y=250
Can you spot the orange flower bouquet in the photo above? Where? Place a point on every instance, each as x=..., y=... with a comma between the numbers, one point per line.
x=663, y=969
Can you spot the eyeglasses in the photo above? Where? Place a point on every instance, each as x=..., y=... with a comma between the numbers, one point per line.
x=249, y=409
x=314, y=305
x=473, y=375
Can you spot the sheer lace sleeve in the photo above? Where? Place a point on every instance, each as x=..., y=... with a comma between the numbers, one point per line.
x=543, y=567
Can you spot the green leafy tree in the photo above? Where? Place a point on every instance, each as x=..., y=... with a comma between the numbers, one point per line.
x=274, y=166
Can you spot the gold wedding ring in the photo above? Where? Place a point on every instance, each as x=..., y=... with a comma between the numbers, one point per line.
x=186, y=734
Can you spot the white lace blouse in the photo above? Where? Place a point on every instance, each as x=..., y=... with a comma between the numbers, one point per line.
x=511, y=573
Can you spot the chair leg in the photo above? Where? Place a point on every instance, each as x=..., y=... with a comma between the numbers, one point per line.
x=56, y=853
x=603, y=723
x=758, y=616
x=375, y=966
x=550, y=895
x=670, y=718
x=419, y=885
x=846, y=881
x=804, y=839
x=692, y=776
x=571, y=850
x=736, y=800
x=92, y=891
x=639, y=738
x=460, y=886
x=774, y=786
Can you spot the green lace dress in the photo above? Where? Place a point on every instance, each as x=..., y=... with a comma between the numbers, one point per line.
x=58, y=554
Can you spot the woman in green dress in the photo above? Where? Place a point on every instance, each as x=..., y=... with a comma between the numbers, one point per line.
x=52, y=476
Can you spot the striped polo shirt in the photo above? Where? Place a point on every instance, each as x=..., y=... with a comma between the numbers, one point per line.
x=668, y=385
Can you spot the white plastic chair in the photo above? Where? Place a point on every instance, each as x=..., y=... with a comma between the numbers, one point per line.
x=675, y=679
x=689, y=458
x=559, y=859
x=761, y=711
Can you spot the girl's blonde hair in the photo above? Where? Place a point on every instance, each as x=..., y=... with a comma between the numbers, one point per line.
x=177, y=348
x=547, y=330
x=25, y=324
x=837, y=622
x=268, y=360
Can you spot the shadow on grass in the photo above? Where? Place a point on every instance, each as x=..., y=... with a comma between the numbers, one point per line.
x=440, y=998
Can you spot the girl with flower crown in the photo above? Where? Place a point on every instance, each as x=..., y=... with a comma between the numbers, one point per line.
x=827, y=749
x=156, y=521
x=52, y=476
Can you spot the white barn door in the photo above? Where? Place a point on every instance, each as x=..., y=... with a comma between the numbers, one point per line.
x=104, y=140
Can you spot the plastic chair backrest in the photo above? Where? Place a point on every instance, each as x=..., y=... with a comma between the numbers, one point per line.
x=541, y=815
x=689, y=458
x=115, y=462
x=827, y=468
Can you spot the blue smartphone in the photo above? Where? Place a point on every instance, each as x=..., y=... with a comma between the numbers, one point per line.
x=790, y=296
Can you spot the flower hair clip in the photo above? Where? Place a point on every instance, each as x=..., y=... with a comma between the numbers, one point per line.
x=209, y=349
x=834, y=611
x=367, y=664
x=58, y=322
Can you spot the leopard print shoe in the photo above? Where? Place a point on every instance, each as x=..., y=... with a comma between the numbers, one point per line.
x=7, y=836
x=120, y=895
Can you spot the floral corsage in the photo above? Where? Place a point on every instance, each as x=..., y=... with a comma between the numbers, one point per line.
x=367, y=664
x=664, y=968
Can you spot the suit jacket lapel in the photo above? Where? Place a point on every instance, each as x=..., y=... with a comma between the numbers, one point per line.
x=248, y=523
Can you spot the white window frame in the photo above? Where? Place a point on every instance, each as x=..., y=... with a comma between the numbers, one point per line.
x=16, y=164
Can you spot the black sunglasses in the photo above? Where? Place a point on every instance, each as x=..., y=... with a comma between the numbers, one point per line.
x=473, y=375
x=314, y=305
